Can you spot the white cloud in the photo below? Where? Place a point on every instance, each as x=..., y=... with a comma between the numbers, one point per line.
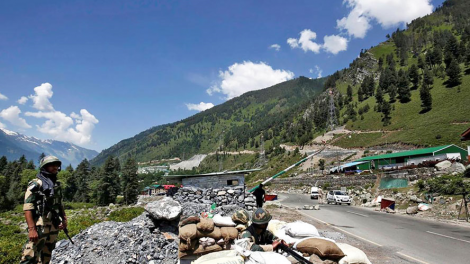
x=3, y=97
x=317, y=71
x=12, y=115
x=335, y=44
x=305, y=41
x=61, y=126
x=276, y=47
x=41, y=97
x=200, y=107
x=387, y=13
x=248, y=76
x=22, y=100
x=2, y=125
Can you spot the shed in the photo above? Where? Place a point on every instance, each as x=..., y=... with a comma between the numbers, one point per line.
x=466, y=137
x=400, y=159
x=351, y=166
x=212, y=180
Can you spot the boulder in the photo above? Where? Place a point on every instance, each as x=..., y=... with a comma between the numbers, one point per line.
x=443, y=165
x=166, y=208
x=412, y=210
x=457, y=167
x=317, y=207
x=221, y=193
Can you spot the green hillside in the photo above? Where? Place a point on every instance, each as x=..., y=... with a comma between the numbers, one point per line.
x=274, y=112
x=434, y=45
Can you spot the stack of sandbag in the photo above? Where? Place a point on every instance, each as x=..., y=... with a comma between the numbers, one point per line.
x=278, y=229
x=301, y=230
x=353, y=255
x=321, y=247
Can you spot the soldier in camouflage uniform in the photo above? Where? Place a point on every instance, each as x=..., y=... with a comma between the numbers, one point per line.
x=44, y=213
x=262, y=239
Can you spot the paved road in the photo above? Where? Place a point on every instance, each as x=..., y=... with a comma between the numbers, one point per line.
x=422, y=240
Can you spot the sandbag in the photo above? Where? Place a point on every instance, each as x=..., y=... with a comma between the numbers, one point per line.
x=229, y=233
x=353, y=255
x=216, y=255
x=220, y=242
x=266, y=258
x=241, y=217
x=188, y=232
x=303, y=239
x=275, y=225
x=214, y=234
x=192, y=219
x=201, y=250
x=206, y=241
x=323, y=248
x=205, y=225
x=225, y=260
x=241, y=228
x=301, y=229
x=222, y=221
x=184, y=246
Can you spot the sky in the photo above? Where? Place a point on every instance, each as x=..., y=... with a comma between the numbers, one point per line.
x=96, y=72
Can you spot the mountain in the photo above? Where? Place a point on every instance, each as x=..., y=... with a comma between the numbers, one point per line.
x=13, y=145
x=413, y=88
x=275, y=112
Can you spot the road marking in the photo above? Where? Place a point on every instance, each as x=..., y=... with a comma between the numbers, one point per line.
x=466, y=241
x=414, y=259
x=342, y=230
x=357, y=213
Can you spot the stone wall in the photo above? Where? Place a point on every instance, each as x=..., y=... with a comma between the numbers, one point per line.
x=214, y=182
x=223, y=196
x=332, y=180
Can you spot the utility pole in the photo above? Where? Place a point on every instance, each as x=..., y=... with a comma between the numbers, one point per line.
x=221, y=165
x=332, y=122
x=262, y=154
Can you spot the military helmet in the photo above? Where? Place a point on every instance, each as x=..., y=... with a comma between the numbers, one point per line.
x=48, y=160
x=261, y=216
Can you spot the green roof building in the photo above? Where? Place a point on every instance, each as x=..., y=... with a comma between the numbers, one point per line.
x=413, y=157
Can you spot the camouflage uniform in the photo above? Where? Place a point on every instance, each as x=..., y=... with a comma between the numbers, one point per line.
x=263, y=241
x=41, y=251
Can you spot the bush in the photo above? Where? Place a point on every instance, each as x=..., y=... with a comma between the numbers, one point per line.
x=126, y=214
x=421, y=185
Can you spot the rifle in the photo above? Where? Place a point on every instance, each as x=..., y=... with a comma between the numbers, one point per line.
x=56, y=218
x=293, y=254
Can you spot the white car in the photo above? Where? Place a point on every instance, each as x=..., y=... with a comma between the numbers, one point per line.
x=338, y=197
x=314, y=193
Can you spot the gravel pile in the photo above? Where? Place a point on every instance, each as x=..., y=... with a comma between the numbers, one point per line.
x=141, y=240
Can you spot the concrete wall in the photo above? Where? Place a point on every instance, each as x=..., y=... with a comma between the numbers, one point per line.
x=213, y=182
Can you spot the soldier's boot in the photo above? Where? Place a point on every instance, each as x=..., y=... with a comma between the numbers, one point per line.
x=32, y=251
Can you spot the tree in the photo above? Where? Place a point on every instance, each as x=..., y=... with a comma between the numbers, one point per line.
x=108, y=186
x=413, y=74
x=386, y=110
x=31, y=165
x=421, y=63
x=349, y=94
x=454, y=73
x=379, y=95
x=78, y=188
x=426, y=98
x=69, y=168
x=130, y=182
x=403, y=87
x=393, y=93
x=360, y=94
x=321, y=164
x=428, y=78
x=41, y=157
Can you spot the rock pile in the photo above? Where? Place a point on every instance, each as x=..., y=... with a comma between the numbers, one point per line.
x=226, y=196
x=145, y=239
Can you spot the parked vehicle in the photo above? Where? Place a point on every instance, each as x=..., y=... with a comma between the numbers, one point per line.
x=338, y=197
x=314, y=193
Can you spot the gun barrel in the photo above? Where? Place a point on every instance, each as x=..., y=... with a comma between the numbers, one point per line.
x=294, y=254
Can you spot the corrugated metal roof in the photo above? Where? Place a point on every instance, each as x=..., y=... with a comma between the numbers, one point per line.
x=347, y=165
x=415, y=152
x=213, y=173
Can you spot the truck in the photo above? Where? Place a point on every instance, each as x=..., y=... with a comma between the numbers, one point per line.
x=314, y=193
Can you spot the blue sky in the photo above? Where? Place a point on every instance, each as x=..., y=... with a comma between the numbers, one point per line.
x=96, y=72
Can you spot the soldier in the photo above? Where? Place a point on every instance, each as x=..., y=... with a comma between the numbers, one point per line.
x=259, y=194
x=257, y=232
x=44, y=213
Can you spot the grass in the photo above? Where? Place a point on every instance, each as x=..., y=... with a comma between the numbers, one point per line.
x=383, y=49
x=442, y=125
x=81, y=216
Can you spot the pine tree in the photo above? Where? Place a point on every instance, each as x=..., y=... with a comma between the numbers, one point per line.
x=467, y=56
x=426, y=98
x=107, y=189
x=428, y=78
x=349, y=94
x=69, y=168
x=454, y=73
x=393, y=93
x=379, y=96
x=360, y=94
x=130, y=182
x=413, y=74
x=436, y=56
x=30, y=165
x=403, y=87
x=421, y=63
x=41, y=157
x=386, y=110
